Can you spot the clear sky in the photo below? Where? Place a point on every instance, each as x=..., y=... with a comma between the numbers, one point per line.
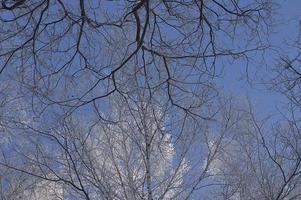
x=234, y=80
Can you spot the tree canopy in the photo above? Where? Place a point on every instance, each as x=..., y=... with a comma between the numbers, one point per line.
x=122, y=100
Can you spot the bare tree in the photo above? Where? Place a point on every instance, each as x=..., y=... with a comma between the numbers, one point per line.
x=262, y=161
x=73, y=53
x=134, y=152
x=117, y=100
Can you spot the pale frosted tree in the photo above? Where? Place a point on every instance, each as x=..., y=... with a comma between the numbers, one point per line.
x=262, y=160
x=134, y=151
